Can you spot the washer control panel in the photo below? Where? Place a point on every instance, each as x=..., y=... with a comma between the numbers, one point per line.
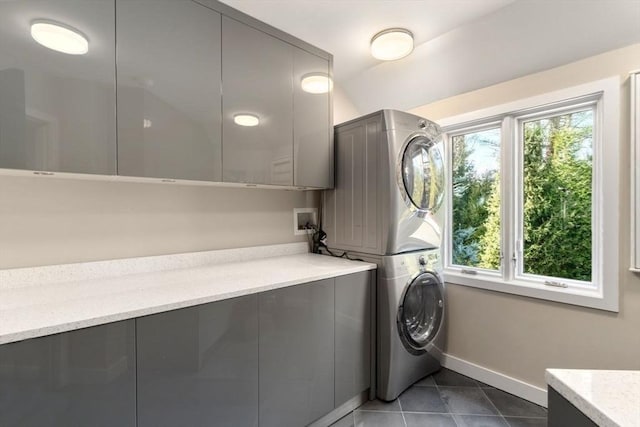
x=412, y=263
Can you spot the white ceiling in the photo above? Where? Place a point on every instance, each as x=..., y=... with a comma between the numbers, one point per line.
x=345, y=27
x=461, y=45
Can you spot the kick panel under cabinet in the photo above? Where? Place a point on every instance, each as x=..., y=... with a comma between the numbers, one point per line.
x=183, y=69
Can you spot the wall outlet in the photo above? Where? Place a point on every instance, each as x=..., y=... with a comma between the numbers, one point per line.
x=302, y=218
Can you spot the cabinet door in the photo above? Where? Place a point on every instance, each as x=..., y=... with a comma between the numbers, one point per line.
x=198, y=366
x=79, y=378
x=313, y=152
x=257, y=81
x=169, y=113
x=296, y=354
x=353, y=335
x=57, y=110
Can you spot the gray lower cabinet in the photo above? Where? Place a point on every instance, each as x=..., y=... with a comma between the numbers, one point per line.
x=296, y=354
x=562, y=413
x=280, y=358
x=79, y=378
x=352, y=335
x=198, y=366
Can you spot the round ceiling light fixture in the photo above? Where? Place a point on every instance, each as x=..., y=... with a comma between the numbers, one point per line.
x=392, y=44
x=316, y=83
x=246, y=119
x=59, y=37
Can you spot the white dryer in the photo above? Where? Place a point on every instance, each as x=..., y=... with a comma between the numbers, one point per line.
x=389, y=185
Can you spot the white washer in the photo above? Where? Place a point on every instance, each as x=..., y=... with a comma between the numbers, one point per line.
x=410, y=330
x=411, y=307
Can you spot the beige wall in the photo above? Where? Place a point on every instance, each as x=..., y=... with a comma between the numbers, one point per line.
x=46, y=220
x=520, y=336
x=343, y=108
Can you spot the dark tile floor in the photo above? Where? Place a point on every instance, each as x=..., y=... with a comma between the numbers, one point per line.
x=448, y=399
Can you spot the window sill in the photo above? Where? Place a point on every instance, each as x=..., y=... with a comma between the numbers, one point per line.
x=592, y=298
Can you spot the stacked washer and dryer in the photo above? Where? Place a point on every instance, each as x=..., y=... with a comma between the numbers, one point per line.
x=386, y=209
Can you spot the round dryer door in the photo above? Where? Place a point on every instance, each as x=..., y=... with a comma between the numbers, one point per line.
x=423, y=173
x=420, y=314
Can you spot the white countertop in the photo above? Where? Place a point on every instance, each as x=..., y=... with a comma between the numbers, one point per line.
x=608, y=398
x=46, y=300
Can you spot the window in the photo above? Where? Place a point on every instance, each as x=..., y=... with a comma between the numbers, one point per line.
x=532, y=205
x=475, y=194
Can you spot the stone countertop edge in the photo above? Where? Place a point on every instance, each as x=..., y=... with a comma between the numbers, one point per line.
x=111, y=298
x=617, y=404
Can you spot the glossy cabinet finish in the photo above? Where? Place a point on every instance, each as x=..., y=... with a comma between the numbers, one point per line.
x=296, y=354
x=57, y=111
x=256, y=80
x=169, y=70
x=79, y=378
x=312, y=129
x=183, y=69
x=353, y=335
x=198, y=366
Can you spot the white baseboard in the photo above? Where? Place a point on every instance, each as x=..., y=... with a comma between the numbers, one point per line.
x=495, y=379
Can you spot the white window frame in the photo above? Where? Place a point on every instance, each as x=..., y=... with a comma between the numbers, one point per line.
x=634, y=80
x=602, y=292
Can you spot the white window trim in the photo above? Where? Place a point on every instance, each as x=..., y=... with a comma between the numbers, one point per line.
x=607, y=161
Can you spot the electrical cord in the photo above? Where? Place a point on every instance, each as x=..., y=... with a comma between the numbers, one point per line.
x=318, y=243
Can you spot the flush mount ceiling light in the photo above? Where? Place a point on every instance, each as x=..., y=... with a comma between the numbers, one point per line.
x=392, y=44
x=245, y=119
x=316, y=83
x=59, y=37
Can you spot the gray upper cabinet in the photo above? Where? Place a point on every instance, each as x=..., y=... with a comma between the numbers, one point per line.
x=57, y=110
x=256, y=82
x=85, y=377
x=160, y=92
x=312, y=130
x=169, y=90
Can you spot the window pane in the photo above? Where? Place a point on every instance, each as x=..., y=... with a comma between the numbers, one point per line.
x=476, y=199
x=557, y=196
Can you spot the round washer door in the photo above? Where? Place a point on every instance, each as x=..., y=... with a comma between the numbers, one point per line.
x=423, y=173
x=421, y=310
